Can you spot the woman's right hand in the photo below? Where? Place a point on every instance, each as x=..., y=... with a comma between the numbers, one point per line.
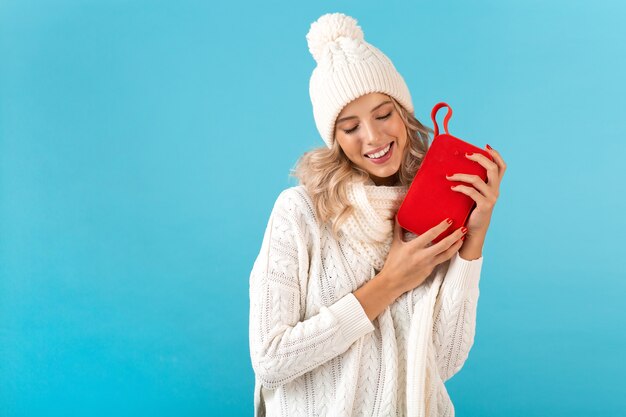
x=408, y=264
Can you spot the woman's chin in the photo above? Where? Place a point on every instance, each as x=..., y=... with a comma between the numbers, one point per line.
x=387, y=176
x=385, y=172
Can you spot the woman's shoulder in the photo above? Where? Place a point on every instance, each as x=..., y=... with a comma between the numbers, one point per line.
x=297, y=202
x=295, y=197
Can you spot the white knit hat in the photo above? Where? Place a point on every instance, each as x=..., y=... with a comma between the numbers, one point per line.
x=347, y=68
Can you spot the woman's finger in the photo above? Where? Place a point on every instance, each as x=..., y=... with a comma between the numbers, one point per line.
x=479, y=198
x=447, y=241
x=493, y=175
x=448, y=253
x=397, y=230
x=498, y=159
x=426, y=238
x=475, y=180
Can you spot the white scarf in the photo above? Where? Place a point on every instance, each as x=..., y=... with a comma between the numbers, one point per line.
x=370, y=232
x=370, y=229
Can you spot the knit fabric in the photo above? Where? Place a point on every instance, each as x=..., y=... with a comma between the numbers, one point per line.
x=370, y=229
x=313, y=349
x=347, y=67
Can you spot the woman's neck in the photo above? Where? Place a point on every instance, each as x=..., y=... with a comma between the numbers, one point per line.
x=388, y=182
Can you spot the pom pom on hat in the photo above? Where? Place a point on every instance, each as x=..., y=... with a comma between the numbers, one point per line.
x=329, y=28
x=347, y=68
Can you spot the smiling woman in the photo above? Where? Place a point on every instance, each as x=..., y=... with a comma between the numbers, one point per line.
x=346, y=317
x=364, y=126
x=373, y=137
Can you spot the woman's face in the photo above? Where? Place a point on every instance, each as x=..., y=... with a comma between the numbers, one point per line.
x=366, y=126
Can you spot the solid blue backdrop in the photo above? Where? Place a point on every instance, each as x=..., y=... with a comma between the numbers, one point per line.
x=143, y=143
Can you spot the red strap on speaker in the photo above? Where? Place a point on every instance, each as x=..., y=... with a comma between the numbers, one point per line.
x=445, y=120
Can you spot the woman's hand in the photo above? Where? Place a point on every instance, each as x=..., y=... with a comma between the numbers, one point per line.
x=408, y=264
x=484, y=194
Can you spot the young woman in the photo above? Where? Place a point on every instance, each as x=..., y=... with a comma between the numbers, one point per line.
x=347, y=317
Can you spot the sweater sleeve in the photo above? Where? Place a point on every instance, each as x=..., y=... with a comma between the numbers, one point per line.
x=454, y=317
x=282, y=346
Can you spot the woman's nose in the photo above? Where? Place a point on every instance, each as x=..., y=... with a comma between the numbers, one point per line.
x=372, y=136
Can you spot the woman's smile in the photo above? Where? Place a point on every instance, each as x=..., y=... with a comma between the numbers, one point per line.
x=382, y=156
x=373, y=136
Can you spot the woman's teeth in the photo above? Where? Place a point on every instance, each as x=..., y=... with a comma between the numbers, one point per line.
x=379, y=154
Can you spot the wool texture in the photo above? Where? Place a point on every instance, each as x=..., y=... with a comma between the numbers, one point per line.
x=313, y=349
x=347, y=67
x=370, y=228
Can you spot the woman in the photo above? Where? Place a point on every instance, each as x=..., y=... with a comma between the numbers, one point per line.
x=347, y=318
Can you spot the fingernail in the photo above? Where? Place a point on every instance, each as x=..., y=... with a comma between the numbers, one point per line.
x=449, y=220
x=469, y=153
x=464, y=229
x=463, y=238
x=489, y=147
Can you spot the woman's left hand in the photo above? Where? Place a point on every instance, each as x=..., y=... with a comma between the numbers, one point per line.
x=484, y=194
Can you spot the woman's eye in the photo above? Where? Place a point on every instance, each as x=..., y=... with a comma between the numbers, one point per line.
x=379, y=118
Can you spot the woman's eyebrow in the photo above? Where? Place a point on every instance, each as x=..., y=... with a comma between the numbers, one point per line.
x=354, y=117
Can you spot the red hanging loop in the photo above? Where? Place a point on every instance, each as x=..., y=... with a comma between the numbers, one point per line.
x=445, y=120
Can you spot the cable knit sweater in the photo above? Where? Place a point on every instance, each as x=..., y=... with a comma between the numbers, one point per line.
x=313, y=349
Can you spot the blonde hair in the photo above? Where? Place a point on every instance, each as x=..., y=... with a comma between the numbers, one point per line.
x=325, y=173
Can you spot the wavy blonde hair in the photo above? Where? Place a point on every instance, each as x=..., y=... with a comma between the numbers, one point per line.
x=325, y=173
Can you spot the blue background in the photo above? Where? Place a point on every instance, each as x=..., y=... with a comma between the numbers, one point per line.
x=143, y=143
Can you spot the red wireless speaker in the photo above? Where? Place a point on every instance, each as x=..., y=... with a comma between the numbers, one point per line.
x=429, y=199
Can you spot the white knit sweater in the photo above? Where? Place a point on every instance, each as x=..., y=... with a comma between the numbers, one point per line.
x=313, y=349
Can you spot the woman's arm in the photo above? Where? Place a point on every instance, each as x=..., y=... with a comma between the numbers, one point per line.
x=376, y=295
x=454, y=324
x=456, y=304
x=473, y=245
x=282, y=347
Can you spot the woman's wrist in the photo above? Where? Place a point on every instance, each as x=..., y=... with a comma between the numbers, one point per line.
x=376, y=295
x=472, y=247
x=390, y=287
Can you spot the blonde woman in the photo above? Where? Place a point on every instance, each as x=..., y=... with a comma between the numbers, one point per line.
x=349, y=317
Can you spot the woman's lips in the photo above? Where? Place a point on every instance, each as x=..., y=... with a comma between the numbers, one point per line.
x=377, y=150
x=384, y=158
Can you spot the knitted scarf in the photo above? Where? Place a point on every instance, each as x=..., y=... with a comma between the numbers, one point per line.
x=369, y=230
